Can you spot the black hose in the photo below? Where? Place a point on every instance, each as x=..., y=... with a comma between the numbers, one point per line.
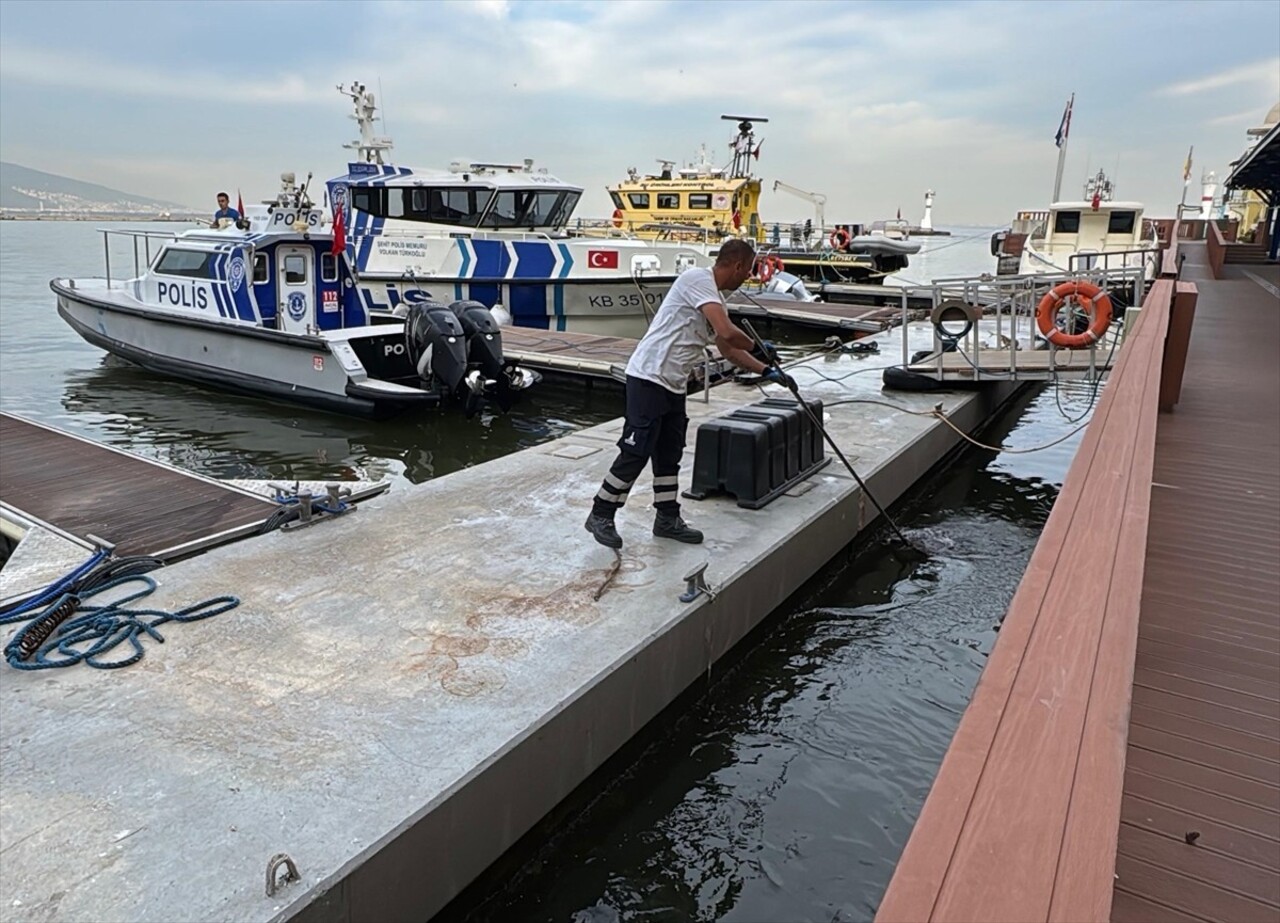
x=772, y=359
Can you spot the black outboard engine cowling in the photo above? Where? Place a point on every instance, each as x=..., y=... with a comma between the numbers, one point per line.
x=483, y=335
x=437, y=344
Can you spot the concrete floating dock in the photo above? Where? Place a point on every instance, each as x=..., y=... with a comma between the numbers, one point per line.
x=402, y=694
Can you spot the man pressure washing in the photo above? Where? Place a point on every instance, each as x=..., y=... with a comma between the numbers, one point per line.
x=691, y=317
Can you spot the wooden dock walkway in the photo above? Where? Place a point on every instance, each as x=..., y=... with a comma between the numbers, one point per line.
x=1203, y=755
x=1120, y=758
x=583, y=354
x=857, y=318
x=144, y=507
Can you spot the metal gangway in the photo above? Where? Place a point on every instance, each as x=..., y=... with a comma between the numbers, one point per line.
x=985, y=327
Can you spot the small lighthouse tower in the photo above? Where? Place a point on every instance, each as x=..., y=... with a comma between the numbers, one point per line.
x=926, y=223
x=1210, y=187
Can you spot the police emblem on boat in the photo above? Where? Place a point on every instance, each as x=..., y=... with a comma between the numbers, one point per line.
x=235, y=275
x=297, y=307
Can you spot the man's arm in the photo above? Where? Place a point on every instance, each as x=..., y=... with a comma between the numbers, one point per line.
x=731, y=340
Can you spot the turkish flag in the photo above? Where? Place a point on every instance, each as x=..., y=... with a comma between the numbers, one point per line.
x=239, y=203
x=602, y=259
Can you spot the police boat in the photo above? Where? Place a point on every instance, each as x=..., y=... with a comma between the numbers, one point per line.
x=268, y=307
x=495, y=233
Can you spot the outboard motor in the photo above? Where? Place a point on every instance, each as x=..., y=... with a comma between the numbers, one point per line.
x=436, y=344
x=784, y=283
x=490, y=374
x=484, y=338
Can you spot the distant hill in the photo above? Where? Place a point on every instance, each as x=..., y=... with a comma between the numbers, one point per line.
x=24, y=189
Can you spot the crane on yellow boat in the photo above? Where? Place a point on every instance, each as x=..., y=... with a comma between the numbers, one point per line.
x=817, y=198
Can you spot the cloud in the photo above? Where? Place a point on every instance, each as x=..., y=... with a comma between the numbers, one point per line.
x=491, y=9
x=868, y=102
x=79, y=71
x=1261, y=73
x=1242, y=120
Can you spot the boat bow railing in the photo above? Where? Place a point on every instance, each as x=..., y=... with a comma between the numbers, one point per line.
x=141, y=257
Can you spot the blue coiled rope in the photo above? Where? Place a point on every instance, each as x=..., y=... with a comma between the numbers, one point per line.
x=18, y=612
x=97, y=630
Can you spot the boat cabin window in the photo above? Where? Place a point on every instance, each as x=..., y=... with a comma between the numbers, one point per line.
x=328, y=267
x=699, y=200
x=194, y=264
x=507, y=208
x=529, y=208
x=668, y=200
x=295, y=270
x=448, y=206
x=617, y=199
x=259, y=268
x=1121, y=222
x=1066, y=223
x=460, y=207
x=639, y=199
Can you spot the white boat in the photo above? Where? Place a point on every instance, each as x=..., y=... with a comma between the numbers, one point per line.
x=269, y=309
x=1095, y=232
x=492, y=233
x=389, y=299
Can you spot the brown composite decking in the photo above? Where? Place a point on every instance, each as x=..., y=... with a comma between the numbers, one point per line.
x=1032, y=815
x=587, y=354
x=143, y=507
x=1204, y=730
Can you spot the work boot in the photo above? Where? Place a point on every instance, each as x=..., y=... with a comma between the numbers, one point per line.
x=670, y=525
x=603, y=531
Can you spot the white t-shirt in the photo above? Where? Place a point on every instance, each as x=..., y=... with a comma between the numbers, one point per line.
x=679, y=335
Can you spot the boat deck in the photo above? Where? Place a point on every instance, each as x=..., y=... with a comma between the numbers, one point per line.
x=1203, y=754
x=142, y=506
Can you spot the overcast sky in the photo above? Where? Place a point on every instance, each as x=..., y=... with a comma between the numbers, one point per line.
x=870, y=103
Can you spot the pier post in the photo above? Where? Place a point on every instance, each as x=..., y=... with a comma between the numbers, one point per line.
x=1176, y=343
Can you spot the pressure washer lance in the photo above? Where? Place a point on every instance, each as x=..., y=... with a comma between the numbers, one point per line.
x=771, y=358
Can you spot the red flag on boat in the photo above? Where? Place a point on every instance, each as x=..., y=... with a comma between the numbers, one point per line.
x=1097, y=200
x=239, y=203
x=899, y=214
x=339, y=229
x=756, y=152
x=737, y=220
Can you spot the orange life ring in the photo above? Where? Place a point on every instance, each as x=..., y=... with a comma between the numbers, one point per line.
x=767, y=267
x=617, y=217
x=840, y=238
x=1090, y=297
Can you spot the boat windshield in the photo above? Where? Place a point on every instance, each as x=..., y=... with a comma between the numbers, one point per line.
x=530, y=208
x=442, y=205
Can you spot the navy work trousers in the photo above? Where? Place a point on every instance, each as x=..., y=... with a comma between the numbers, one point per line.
x=655, y=428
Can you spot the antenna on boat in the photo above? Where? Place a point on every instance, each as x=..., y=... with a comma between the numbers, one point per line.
x=744, y=146
x=369, y=148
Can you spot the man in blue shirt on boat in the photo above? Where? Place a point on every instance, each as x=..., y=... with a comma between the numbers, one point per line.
x=690, y=319
x=224, y=212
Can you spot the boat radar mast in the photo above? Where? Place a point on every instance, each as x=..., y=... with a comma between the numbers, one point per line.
x=744, y=146
x=369, y=148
